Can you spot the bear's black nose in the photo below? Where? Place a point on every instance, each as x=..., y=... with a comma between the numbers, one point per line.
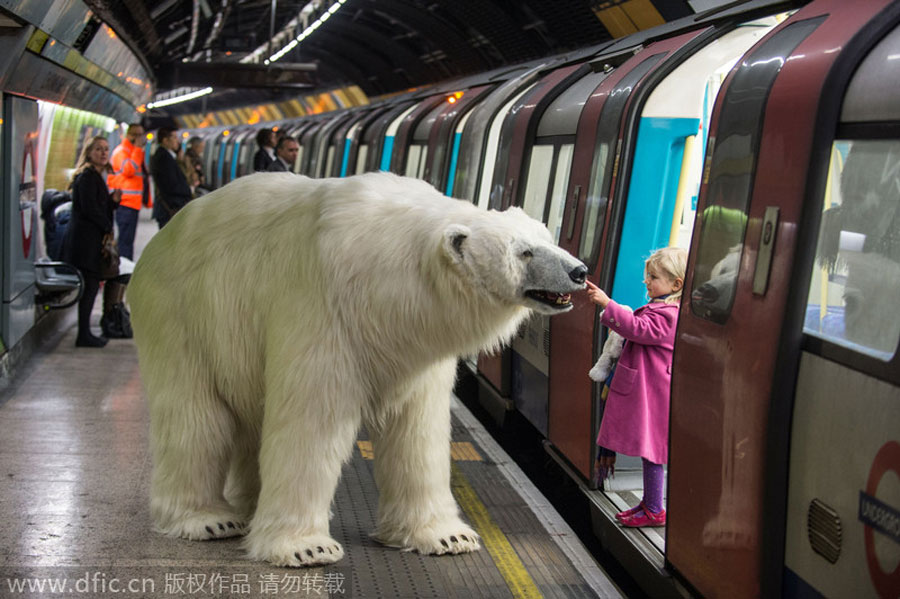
x=578, y=274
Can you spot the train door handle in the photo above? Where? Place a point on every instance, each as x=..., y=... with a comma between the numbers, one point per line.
x=764, y=254
x=572, y=210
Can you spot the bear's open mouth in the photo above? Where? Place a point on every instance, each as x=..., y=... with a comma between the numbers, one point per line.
x=554, y=300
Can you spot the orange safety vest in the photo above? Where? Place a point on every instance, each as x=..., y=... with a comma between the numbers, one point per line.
x=127, y=174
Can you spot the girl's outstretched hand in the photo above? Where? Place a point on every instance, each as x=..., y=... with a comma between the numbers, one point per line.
x=597, y=295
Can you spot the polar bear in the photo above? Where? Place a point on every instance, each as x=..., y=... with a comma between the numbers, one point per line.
x=278, y=314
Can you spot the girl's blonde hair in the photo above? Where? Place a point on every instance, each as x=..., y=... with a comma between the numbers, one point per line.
x=671, y=263
x=84, y=161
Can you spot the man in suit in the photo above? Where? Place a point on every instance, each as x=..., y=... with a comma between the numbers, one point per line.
x=285, y=155
x=172, y=189
x=265, y=155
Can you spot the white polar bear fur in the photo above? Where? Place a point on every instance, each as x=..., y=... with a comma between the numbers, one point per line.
x=612, y=349
x=276, y=315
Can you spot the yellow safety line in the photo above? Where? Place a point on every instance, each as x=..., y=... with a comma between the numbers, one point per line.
x=505, y=558
x=460, y=451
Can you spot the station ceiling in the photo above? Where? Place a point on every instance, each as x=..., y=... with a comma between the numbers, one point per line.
x=383, y=46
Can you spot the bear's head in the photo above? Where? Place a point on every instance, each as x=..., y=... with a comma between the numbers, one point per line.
x=511, y=258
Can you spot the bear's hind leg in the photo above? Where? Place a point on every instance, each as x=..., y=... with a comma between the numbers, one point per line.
x=191, y=434
x=416, y=509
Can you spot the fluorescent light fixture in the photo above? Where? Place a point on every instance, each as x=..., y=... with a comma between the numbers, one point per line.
x=306, y=32
x=184, y=98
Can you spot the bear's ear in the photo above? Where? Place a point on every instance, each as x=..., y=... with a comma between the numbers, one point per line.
x=454, y=241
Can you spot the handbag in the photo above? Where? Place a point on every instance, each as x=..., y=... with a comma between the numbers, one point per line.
x=109, y=257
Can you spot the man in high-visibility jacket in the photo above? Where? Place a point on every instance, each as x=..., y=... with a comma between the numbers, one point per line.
x=127, y=160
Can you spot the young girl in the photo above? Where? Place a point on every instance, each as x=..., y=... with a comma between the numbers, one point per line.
x=636, y=418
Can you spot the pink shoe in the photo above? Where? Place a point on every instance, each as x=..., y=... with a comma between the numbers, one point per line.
x=621, y=516
x=645, y=518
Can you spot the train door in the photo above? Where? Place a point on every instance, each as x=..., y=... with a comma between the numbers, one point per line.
x=481, y=184
x=548, y=164
x=307, y=146
x=243, y=163
x=322, y=148
x=443, y=142
x=209, y=155
x=348, y=143
x=19, y=139
x=474, y=133
x=519, y=129
x=597, y=152
x=222, y=148
x=417, y=149
x=740, y=330
x=356, y=149
x=337, y=143
x=230, y=155
x=382, y=160
x=494, y=371
x=297, y=131
x=404, y=133
x=242, y=140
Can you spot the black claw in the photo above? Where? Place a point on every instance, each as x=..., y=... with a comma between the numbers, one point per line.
x=309, y=553
x=454, y=539
x=320, y=550
x=297, y=555
x=210, y=531
x=444, y=543
x=221, y=526
x=464, y=538
x=231, y=525
x=330, y=551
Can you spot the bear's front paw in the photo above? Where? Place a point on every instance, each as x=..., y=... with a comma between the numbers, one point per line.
x=206, y=527
x=451, y=537
x=297, y=552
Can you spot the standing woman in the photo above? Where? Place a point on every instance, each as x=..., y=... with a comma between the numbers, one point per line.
x=92, y=217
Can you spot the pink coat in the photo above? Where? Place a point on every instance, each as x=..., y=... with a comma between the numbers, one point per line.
x=636, y=417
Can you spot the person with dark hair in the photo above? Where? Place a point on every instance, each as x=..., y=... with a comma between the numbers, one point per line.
x=172, y=188
x=127, y=175
x=285, y=155
x=265, y=155
x=92, y=218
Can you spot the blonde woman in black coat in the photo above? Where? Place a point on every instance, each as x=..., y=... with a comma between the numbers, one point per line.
x=92, y=217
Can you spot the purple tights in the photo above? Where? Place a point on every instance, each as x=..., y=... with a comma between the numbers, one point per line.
x=654, y=480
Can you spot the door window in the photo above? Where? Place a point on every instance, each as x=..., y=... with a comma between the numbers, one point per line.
x=539, y=170
x=558, y=195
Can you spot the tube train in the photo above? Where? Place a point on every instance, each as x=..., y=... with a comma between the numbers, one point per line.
x=766, y=143
x=764, y=137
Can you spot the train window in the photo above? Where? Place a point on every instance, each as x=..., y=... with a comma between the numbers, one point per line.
x=329, y=161
x=415, y=160
x=539, y=171
x=594, y=208
x=856, y=277
x=361, y=158
x=299, y=161
x=558, y=196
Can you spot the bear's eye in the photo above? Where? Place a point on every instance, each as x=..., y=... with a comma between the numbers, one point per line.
x=527, y=254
